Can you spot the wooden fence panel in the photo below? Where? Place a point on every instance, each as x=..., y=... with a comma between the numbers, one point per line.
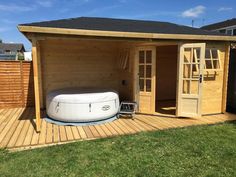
x=16, y=84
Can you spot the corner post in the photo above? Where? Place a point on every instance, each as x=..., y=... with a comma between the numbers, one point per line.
x=36, y=59
x=225, y=77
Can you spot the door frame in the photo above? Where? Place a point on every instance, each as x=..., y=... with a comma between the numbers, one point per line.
x=179, y=80
x=136, y=76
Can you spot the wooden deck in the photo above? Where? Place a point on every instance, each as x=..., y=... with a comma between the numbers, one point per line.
x=17, y=128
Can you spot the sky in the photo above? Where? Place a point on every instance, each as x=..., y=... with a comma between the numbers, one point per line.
x=14, y=12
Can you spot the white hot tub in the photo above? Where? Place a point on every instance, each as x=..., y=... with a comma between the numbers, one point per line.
x=82, y=105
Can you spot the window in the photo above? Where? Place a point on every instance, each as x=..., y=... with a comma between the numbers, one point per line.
x=7, y=51
x=229, y=32
x=223, y=31
x=234, y=32
x=145, y=70
x=211, y=60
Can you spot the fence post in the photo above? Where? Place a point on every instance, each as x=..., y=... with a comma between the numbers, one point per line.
x=22, y=85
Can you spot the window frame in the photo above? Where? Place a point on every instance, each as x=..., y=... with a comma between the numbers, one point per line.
x=211, y=59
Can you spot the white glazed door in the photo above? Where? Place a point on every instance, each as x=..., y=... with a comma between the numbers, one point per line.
x=146, y=78
x=190, y=79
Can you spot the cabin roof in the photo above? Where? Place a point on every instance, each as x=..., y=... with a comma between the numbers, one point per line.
x=110, y=27
x=219, y=25
x=121, y=25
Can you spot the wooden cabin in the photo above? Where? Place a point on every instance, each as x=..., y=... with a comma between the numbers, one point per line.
x=168, y=69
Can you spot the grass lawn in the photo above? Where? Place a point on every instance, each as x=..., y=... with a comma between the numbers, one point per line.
x=193, y=151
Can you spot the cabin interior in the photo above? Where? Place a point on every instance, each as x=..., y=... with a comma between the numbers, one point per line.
x=113, y=64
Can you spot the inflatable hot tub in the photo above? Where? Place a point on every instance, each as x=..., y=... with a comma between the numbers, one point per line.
x=82, y=105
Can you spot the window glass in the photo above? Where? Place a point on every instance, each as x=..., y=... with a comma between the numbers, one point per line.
x=141, y=84
x=214, y=53
x=212, y=60
x=208, y=64
x=222, y=31
x=197, y=55
x=148, y=71
x=207, y=54
x=187, y=55
x=148, y=85
x=229, y=32
x=186, y=70
x=216, y=64
x=186, y=86
x=148, y=56
x=234, y=32
x=141, y=70
x=141, y=56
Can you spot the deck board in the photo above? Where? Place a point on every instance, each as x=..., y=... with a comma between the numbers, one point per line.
x=17, y=128
x=5, y=137
x=62, y=135
x=56, y=137
x=75, y=132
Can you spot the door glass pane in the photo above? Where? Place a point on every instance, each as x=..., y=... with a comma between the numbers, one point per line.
x=141, y=70
x=187, y=55
x=194, y=86
x=197, y=57
x=186, y=86
x=148, y=56
x=148, y=85
x=141, y=84
x=195, y=71
x=141, y=56
x=148, y=71
x=186, y=70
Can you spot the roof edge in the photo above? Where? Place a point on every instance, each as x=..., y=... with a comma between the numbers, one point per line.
x=100, y=33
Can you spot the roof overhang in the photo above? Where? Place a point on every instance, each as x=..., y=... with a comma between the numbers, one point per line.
x=118, y=34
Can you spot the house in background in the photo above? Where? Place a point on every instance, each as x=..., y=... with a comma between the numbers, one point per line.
x=28, y=56
x=11, y=51
x=228, y=27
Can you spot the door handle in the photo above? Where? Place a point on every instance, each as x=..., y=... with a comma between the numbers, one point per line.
x=200, y=79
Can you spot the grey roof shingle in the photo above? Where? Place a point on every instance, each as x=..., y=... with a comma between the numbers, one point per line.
x=219, y=25
x=124, y=25
x=12, y=47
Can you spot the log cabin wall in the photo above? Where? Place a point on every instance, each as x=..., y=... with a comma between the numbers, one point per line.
x=125, y=71
x=88, y=63
x=213, y=84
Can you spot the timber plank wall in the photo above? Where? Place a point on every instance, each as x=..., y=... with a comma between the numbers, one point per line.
x=16, y=84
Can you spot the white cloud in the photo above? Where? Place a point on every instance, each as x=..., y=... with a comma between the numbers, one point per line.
x=45, y=3
x=15, y=8
x=225, y=9
x=194, y=12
